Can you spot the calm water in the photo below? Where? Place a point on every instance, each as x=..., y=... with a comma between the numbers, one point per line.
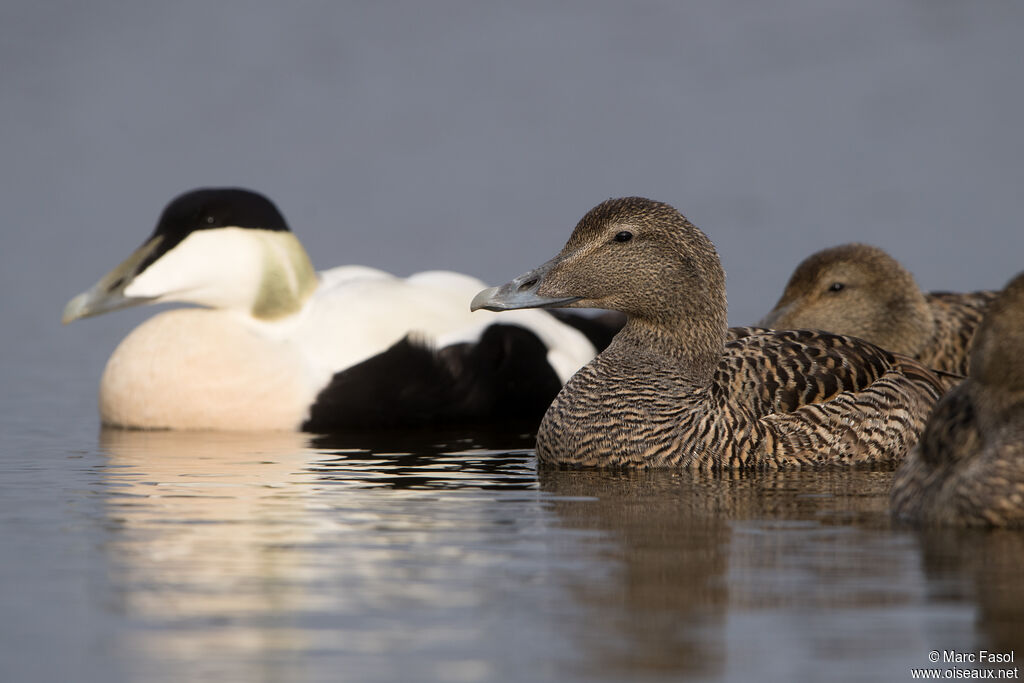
x=161, y=556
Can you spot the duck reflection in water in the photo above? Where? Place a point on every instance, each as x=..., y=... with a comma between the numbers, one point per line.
x=208, y=531
x=696, y=568
x=252, y=552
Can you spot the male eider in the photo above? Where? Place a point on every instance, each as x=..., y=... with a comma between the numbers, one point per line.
x=968, y=469
x=861, y=291
x=670, y=392
x=278, y=346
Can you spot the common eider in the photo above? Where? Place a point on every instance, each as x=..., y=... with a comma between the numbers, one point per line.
x=861, y=291
x=968, y=469
x=670, y=392
x=278, y=346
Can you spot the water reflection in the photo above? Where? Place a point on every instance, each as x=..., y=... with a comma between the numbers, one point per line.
x=447, y=556
x=661, y=610
x=490, y=459
x=741, y=576
x=207, y=527
x=984, y=567
x=252, y=556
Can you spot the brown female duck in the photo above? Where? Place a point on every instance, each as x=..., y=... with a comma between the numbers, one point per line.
x=861, y=291
x=670, y=392
x=968, y=469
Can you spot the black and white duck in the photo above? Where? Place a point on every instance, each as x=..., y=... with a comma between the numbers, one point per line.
x=276, y=345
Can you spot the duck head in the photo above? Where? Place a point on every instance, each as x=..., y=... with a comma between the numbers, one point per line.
x=642, y=258
x=223, y=248
x=857, y=290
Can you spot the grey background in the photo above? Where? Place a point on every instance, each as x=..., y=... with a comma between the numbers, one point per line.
x=472, y=136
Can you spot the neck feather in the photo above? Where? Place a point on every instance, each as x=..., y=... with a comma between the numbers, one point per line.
x=692, y=349
x=288, y=280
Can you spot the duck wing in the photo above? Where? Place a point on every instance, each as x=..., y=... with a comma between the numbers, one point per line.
x=828, y=399
x=781, y=370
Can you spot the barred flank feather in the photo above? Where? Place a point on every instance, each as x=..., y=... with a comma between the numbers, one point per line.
x=777, y=399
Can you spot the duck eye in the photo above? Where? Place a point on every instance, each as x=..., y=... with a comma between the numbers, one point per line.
x=209, y=220
x=623, y=236
x=836, y=287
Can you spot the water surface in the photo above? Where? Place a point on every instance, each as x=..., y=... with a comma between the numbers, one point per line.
x=164, y=556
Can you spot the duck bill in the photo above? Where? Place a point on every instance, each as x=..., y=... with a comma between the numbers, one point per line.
x=522, y=292
x=109, y=293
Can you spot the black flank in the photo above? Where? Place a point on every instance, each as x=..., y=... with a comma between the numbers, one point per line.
x=504, y=376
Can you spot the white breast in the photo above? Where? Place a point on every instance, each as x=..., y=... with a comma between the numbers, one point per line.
x=200, y=369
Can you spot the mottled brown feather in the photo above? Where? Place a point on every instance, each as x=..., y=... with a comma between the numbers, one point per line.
x=956, y=317
x=968, y=469
x=778, y=399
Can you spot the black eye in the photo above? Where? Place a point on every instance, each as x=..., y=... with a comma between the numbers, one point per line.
x=209, y=220
x=836, y=287
x=623, y=236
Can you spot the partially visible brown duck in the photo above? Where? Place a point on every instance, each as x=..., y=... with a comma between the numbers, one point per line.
x=861, y=291
x=670, y=392
x=968, y=469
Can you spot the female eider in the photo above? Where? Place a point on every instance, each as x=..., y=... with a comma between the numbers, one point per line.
x=280, y=347
x=669, y=390
x=968, y=468
x=861, y=291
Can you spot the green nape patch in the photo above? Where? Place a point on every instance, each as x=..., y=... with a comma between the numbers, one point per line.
x=288, y=278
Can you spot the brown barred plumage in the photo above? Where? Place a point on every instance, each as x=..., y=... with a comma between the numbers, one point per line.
x=968, y=469
x=670, y=392
x=777, y=399
x=861, y=291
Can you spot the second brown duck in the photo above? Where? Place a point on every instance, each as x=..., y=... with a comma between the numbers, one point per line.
x=861, y=291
